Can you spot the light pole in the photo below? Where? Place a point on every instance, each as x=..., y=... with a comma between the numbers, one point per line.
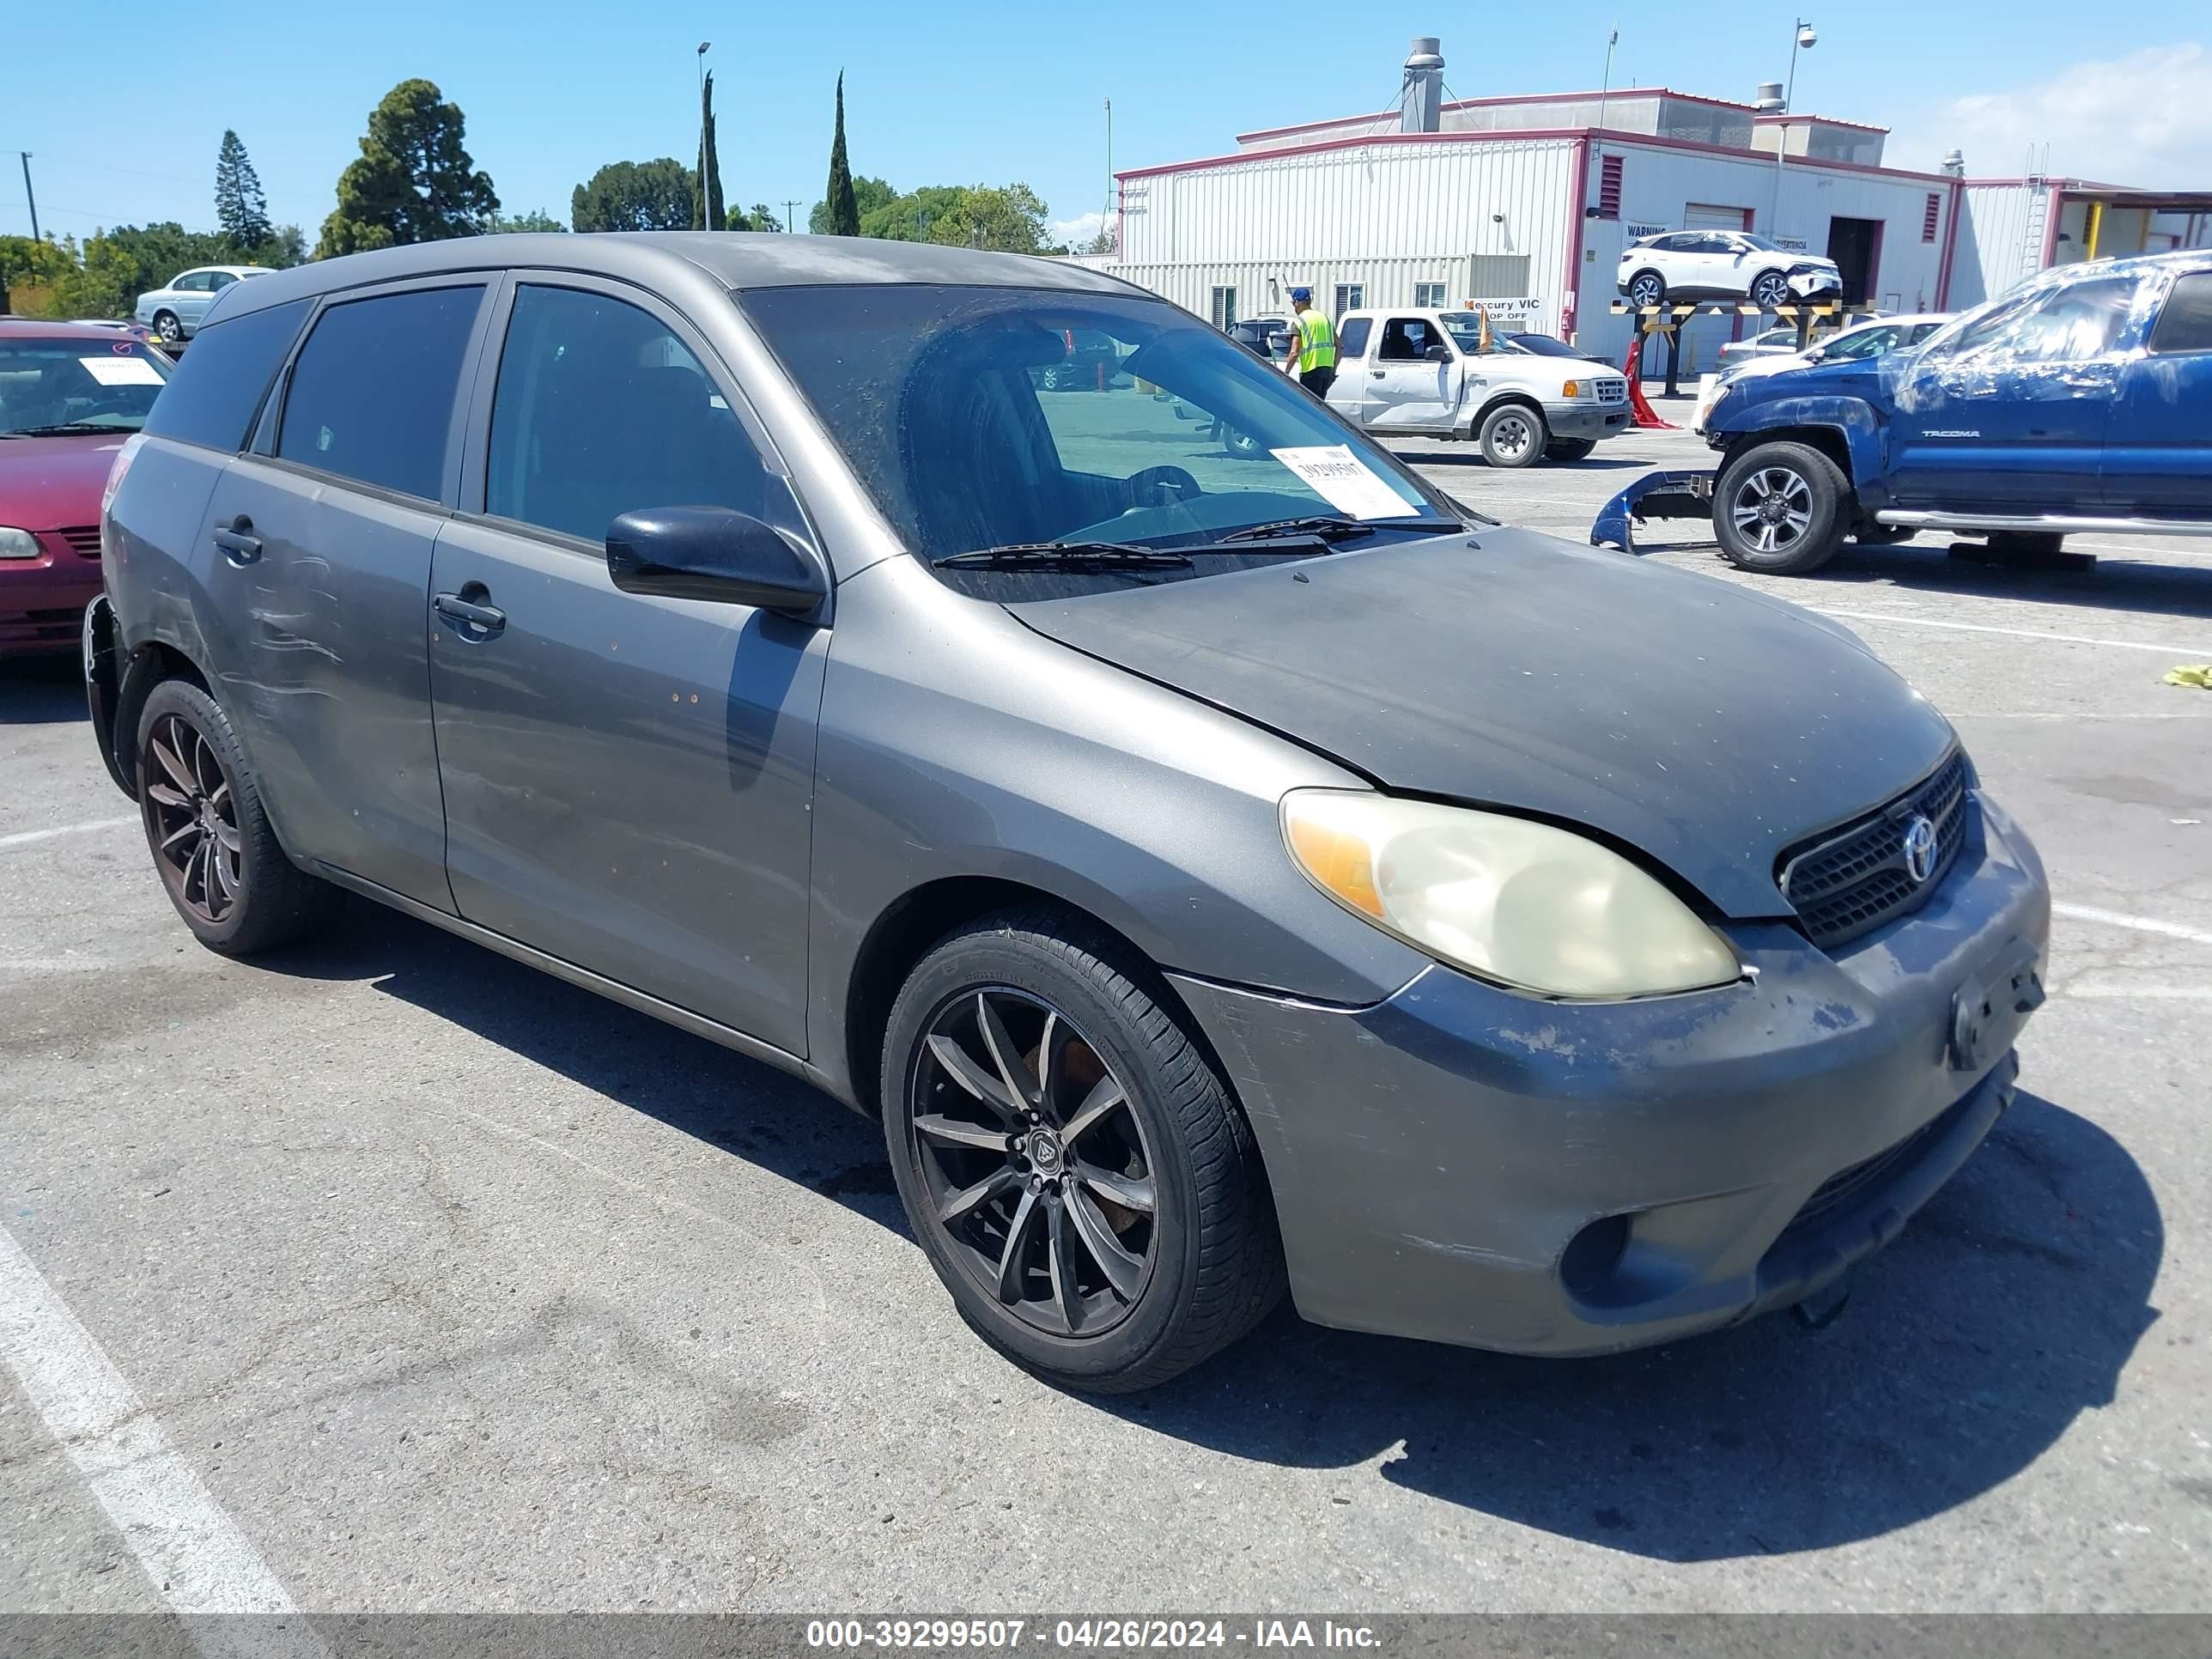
x=706, y=202
x=1612, y=40
x=790, y=215
x=1803, y=38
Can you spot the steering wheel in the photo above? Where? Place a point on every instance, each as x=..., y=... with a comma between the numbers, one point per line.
x=1165, y=477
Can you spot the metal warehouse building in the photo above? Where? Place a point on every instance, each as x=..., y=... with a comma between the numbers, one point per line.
x=1524, y=203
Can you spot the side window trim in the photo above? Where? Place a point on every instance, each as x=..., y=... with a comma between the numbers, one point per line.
x=2151, y=346
x=271, y=420
x=477, y=430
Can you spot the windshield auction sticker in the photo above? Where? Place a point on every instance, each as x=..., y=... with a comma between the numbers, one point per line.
x=1335, y=473
x=121, y=371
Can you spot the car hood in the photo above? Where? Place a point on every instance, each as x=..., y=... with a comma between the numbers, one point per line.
x=1697, y=721
x=51, y=483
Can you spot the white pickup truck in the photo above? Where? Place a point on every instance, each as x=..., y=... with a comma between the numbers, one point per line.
x=1424, y=375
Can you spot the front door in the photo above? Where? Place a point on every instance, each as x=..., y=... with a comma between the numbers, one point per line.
x=1406, y=391
x=2162, y=431
x=627, y=779
x=2011, y=413
x=318, y=567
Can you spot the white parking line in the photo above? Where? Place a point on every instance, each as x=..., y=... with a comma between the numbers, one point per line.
x=2137, y=924
x=25, y=837
x=2180, y=653
x=207, y=1569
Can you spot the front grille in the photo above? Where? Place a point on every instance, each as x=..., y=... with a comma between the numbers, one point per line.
x=1855, y=880
x=83, y=540
x=1847, y=1189
x=1613, y=391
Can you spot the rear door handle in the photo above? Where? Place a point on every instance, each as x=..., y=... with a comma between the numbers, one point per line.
x=485, y=617
x=238, y=544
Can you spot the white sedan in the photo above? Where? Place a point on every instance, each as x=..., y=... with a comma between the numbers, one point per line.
x=1862, y=342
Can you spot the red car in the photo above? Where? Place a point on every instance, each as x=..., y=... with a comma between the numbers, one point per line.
x=69, y=395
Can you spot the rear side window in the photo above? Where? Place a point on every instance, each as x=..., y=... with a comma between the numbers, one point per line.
x=2184, y=321
x=372, y=394
x=211, y=398
x=601, y=411
x=1352, y=341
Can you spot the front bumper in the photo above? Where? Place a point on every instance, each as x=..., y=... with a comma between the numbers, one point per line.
x=1708, y=1157
x=1586, y=420
x=42, y=600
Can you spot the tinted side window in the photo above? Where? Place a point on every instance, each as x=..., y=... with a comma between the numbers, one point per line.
x=372, y=394
x=2076, y=323
x=212, y=395
x=2184, y=321
x=1406, y=340
x=1352, y=342
x=599, y=410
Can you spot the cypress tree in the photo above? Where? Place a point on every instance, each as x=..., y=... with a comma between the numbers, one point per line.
x=844, y=211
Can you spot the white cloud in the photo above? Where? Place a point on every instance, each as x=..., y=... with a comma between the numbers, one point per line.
x=2142, y=120
x=1078, y=232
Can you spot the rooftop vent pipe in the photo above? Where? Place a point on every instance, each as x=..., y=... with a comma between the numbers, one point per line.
x=1422, y=98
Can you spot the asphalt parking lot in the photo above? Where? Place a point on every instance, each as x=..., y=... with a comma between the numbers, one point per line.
x=450, y=1287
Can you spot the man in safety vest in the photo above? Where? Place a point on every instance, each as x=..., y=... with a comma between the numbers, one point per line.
x=1315, y=336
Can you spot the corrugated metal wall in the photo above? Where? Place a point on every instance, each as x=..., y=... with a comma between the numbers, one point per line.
x=1999, y=240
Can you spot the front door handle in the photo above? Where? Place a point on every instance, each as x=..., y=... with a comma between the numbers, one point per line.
x=237, y=541
x=1377, y=373
x=467, y=610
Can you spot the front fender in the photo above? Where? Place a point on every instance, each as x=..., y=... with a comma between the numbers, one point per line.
x=1854, y=419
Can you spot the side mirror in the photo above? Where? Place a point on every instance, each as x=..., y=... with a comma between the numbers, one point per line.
x=1816, y=354
x=1438, y=354
x=713, y=553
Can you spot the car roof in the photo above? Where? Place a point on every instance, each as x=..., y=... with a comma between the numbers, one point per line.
x=735, y=259
x=31, y=328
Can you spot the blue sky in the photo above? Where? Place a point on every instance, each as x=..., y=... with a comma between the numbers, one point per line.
x=123, y=109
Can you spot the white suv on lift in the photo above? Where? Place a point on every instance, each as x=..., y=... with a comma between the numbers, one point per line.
x=1424, y=374
x=1721, y=264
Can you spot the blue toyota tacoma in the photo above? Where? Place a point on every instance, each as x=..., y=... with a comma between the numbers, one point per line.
x=2080, y=402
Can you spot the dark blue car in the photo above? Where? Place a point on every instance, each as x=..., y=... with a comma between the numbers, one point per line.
x=2082, y=401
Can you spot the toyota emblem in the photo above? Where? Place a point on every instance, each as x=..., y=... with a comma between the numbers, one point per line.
x=1920, y=850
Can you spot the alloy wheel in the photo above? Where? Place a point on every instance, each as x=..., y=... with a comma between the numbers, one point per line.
x=1034, y=1161
x=169, y=329
x=1772, y=509
x=192, y=820
x=1644, y=291
x=1770, y=291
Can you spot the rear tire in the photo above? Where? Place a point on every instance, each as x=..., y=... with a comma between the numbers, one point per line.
x=171, y=332
x=1779, y=508
x=212, y=842
x=1569, y=449
x=1154, y=1291
x=1512, y=436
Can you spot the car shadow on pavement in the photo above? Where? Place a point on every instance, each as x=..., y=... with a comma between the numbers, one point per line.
x=41, y=691
x=2008, y=1308
x=1470, y=454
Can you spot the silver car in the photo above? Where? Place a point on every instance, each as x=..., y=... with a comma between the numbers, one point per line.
x=173, y=311
x=1215, y=874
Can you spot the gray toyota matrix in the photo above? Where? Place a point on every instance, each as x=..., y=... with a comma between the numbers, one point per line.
x=1221, y=861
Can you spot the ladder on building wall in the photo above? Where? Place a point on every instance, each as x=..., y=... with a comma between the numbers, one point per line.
x=2038, y=219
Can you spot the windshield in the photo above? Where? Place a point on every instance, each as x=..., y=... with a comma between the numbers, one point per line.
x=973, y=425
x=1541, y=345
x=80, y=385
x=1759, y=242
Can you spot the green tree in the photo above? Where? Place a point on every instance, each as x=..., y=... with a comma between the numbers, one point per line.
x=760, y=219
x=285, y=248
x=240, y=206
x=707, y=213
x=28, y=264
x=915, y=217
x=1006, y=218
x=105, y=282
x=532, y=220
x=635, y=196
x=414, y=182
x=868, y=195
x=844, y=208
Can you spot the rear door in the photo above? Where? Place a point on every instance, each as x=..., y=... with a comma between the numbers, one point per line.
x=2011, y=413
x=318, y=574
x=2158, y=461
x=628, y=779
x=1405, y=391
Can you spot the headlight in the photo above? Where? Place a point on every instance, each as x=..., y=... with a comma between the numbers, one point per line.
x=18, y=544
x=1507, y=899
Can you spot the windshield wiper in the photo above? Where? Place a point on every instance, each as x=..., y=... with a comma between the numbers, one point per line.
x=1065, y=556
x=1332, y=529
x=60, y=429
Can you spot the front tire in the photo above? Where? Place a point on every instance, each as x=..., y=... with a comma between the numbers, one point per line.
x=1512, y=436
x=1073, y=1167
x=1569, y=449
x=1779, y=509
x=212, y=842
x=1769, y=290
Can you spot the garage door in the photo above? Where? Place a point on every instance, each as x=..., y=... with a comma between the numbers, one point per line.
x=1704, y=216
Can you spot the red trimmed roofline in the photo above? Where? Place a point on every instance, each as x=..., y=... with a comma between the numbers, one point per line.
x=1612, y=137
